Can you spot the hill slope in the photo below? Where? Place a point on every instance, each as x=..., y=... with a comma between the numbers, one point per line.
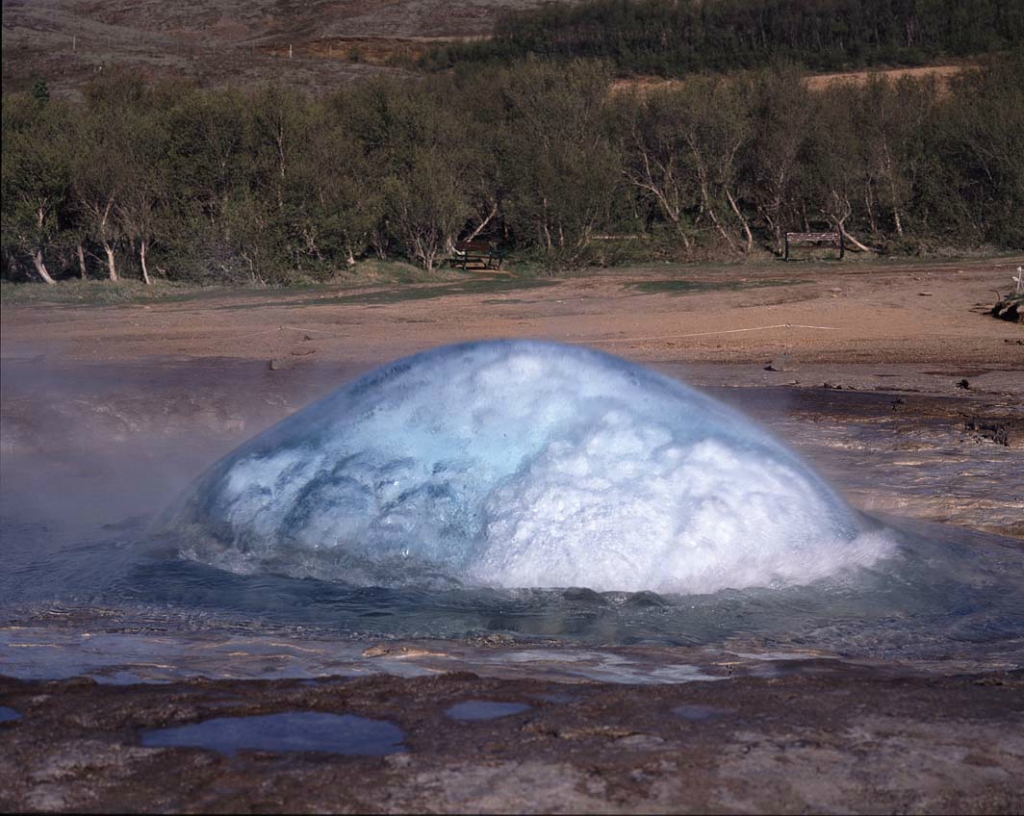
x=217, y=42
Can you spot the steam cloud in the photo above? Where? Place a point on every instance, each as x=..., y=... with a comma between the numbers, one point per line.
x=523, y=464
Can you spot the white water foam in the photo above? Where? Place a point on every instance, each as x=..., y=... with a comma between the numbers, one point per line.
x=527, y=464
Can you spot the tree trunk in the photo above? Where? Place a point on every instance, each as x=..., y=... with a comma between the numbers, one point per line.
x=83, y=271
x=743, y=221
x=899, y=223
x=854, y=241
x=37, y=261
x=142, y=261
x=111, y=263
x=483, y=224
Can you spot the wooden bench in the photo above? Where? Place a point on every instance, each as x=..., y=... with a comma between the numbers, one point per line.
x=815, y=239
x=465, y=253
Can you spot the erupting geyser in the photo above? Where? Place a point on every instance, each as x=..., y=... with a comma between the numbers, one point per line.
x=523, y=464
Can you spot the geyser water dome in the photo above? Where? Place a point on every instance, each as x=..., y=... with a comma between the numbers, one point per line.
x=523, y=464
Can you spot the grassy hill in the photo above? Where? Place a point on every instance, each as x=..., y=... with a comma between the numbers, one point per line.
x=228, y=42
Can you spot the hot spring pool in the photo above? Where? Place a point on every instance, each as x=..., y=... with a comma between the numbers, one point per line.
x=528, y=494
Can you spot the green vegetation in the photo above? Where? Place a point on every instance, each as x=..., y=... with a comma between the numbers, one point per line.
x=219, y=187
x=103, y=293
x=673, y=38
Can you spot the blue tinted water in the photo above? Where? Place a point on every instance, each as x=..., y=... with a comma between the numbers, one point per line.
x=476, y=710
x=293, y=731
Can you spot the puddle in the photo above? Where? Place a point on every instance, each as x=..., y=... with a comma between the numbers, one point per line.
x=699, y=713
x=476, y=710
x=8, y=714
x=559, y=697
x=293, y=731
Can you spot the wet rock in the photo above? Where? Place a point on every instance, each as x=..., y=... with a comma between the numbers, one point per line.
x=783, y=362
x=1009, y=309
x=1008, y=431
x=584, y=595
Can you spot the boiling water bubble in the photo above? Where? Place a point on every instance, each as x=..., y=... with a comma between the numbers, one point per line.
x=523, y=464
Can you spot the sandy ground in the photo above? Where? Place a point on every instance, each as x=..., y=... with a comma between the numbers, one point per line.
x=833, y=316
x=902, y=347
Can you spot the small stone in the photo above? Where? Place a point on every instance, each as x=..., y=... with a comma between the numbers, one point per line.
x=639, y=741
x=398, y=760
x=963, y=384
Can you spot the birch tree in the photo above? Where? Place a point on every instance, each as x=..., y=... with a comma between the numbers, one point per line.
x=36, y=177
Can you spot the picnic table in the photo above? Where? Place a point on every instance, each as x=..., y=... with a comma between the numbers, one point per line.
x=482, y=253
x=815, y=239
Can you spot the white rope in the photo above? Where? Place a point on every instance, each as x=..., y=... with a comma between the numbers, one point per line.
x=707, y=334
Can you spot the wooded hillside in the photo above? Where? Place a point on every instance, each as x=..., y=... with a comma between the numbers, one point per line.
x=221, y=185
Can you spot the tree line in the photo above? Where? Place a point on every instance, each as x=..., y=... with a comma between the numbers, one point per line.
x=673, y=38
x=222, y=186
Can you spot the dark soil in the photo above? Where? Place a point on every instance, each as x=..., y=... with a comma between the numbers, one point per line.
x=855, y=740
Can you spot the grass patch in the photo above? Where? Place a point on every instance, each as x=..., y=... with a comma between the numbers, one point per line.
x=101, y=293
x=372, y=270
x=683, y=287
x=402, y=293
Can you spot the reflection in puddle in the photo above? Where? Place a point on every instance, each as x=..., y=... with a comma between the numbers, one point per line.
x=293, y=731
x=475, y=710
x=8, y=714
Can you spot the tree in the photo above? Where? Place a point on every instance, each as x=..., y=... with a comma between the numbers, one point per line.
x=144, y=189
x=426, y=204
x=655, y=153
x=99, y=178
x=337, y=200
x=836, y=171
x=782, y=119
x=563, y=169
x=420, y=151
x=36, y=176
x=889, y=119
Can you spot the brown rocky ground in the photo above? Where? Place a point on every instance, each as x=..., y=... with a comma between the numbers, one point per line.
x=856, y=741
x=889, y=367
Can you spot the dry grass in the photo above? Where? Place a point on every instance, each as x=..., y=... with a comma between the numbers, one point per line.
x=816, y=82
x=229, y=42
